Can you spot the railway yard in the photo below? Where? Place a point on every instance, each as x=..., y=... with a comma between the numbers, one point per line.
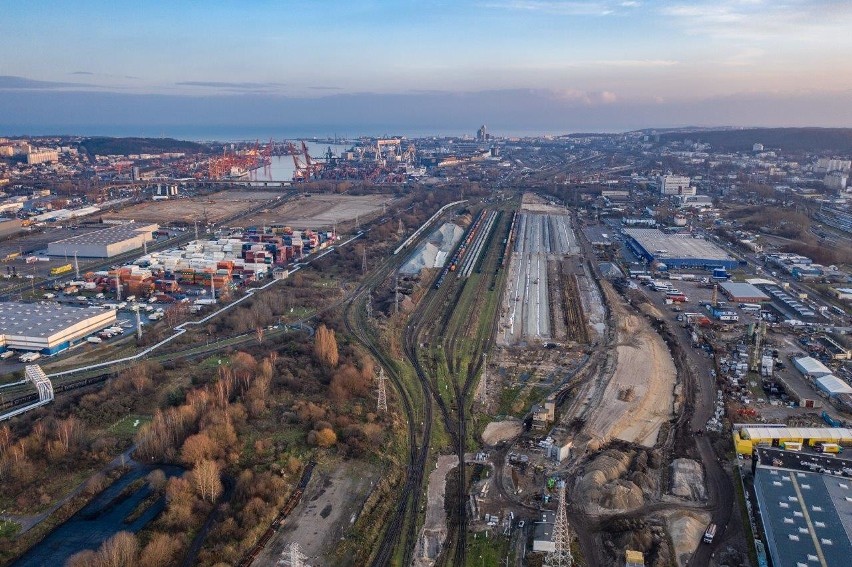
x=532, y=352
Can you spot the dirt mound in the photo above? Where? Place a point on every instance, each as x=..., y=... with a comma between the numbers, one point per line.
x=686, y=529
x=647, y=536
x=498, y=431
x=617, y=481
x=688, y=479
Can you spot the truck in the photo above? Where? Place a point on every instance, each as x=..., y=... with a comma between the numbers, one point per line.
x=829, y=448
x=830, y=420
x=709, y=533
x=59, y=270
x=791, y=445
x=29, y=357
x=7, y=354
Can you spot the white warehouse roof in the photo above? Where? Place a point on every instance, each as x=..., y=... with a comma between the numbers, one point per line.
x=833, y=385
x=811, y=366
x=833, y=433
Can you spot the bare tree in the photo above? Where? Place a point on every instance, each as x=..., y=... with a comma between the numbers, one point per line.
x=205, y=475
x=121, y=550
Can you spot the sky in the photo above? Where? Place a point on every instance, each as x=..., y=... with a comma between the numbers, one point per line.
x=547, y=66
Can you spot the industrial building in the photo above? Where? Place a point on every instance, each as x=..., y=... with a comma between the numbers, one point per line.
x=106, y=243
x=806, y=516
x=675, y=185
x=49, y=328
x=743, y=292
x=811, y=367
x=748, y=437
x=543, y=540
x=677, y=250
x=832, y=386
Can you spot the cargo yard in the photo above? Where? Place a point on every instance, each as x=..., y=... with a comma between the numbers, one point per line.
x=187, y=211
x=324, y=211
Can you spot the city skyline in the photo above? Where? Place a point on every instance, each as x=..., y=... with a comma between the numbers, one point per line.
x=517, y=64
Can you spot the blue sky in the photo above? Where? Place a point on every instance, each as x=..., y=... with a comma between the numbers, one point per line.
x=648, y=59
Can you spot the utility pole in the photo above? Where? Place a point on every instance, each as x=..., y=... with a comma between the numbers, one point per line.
x=364, y=259
x=483, y=382
x=400, y=230
x=138, y=325
x=212, y=289
x=561, y=556
x=145, y=247
x=196, y=230
x=76, y=266
x=369, y=307
x=396, y=295
x=117, y=287
x=383, y=395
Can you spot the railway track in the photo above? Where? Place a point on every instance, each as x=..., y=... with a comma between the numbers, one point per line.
x=448, y=320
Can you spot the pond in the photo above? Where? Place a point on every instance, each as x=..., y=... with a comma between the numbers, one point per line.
x=99, y=520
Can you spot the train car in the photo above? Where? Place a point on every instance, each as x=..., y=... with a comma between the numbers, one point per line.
x=59, y=270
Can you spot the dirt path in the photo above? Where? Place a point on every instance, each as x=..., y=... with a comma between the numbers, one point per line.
x=329, y=507
x=434, y=531
x=639, y=397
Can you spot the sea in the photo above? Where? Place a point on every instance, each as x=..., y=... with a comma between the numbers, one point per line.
x=230, y=133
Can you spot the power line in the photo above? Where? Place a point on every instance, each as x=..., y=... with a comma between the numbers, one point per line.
x=383, y=395
x=561, y=556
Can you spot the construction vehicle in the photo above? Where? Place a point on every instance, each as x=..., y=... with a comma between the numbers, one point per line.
x=59, y=270
x=709, y=533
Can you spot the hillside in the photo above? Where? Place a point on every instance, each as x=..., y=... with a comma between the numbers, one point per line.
x=125, y=146
x=787, y=139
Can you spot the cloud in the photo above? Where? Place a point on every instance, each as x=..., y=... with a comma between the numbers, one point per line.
x=322, y=88
x=635, y=63
x=758, y=19
x=228, y=85
x=81, y=73
x=555, y=7
x=10, y=82
x=588, y=98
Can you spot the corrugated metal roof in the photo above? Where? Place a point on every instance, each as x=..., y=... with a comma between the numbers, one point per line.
x=834, y=385
x=836, y=433
x=810, y=365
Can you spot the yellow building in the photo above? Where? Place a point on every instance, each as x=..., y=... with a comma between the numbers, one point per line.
x=747, y=437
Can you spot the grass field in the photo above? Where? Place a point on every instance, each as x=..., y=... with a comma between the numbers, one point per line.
x=128, y=426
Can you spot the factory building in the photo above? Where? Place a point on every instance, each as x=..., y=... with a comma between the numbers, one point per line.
x=742, y=292
x=749, y=437
x=50, y=328
x=543, y=538
x=811, y=367
x=675, y=185
x=106, y=243
x=806, y=515
x=677, y=250
x=832, y=386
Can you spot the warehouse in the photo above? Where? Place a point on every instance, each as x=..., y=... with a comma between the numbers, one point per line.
x=832, y=386
x=106, y=243
x=677, y=250
x=811, y=367
x=806, y=516
x=743, y=292
x=747, y=437
x=543, y=537
x=48, y=328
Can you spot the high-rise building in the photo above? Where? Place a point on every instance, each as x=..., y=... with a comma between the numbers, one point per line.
x=482, y=133
x=675, y=185
x=826, y=165
x=42, y=156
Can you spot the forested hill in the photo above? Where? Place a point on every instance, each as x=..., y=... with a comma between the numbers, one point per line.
x=787, y=139
x=126, y=146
